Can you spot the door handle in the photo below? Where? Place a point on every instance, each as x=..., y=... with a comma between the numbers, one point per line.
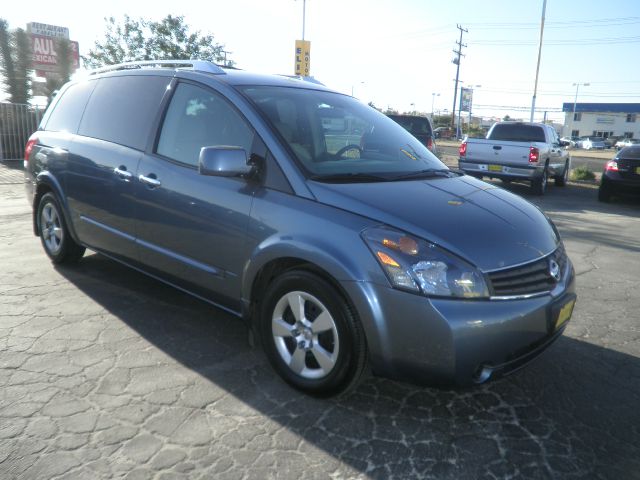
x=150, y=181
x=122, y=172
x=497, y=147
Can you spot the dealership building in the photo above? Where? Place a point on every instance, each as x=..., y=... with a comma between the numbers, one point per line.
x=619, y=120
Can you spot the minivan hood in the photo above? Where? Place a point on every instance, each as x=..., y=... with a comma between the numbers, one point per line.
x=486, y=225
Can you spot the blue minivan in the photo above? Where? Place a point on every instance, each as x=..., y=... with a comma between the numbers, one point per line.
x=344, y=243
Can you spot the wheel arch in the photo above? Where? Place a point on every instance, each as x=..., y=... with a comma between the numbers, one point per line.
x=47, y=183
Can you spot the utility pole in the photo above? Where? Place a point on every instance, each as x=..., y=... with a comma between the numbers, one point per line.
x=456, y=60
x=535, y=88
x=224, y=52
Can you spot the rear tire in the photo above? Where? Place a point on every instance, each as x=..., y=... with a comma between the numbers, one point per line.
x=604, y=193
x=311, y=335
x=539, y=186
x=561, y=180
x=54, y=234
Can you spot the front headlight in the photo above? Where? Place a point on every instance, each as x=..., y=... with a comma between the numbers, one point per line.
x=418, y=266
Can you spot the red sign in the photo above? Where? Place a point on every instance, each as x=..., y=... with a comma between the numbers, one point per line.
x=45, y=56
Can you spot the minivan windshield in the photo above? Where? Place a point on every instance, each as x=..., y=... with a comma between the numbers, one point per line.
x=335, y=137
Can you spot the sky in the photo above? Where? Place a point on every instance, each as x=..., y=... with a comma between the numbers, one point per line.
x=398, y=53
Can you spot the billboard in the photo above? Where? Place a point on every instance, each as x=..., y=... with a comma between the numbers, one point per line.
x=47, y=30
x=303, y=58
x=44, y=43
x=466, y=98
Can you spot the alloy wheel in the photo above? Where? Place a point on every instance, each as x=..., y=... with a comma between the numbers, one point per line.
x=305, y=335
x=51, y=228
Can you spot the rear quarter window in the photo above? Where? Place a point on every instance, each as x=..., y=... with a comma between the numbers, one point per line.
x=122, y=109
x=68, y=109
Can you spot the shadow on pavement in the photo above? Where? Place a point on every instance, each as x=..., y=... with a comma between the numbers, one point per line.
x=12, y=164
x=572, y=414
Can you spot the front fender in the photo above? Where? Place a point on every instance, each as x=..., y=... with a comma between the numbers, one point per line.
x=347, y=262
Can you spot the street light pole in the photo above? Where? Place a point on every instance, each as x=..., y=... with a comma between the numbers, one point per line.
x=433, y=99
x=353, y=86
x=575, y=100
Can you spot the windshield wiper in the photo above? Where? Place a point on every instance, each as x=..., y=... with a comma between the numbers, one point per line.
x=427, y=173
x=349, y=178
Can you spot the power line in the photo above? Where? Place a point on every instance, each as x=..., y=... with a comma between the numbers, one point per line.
x=601, y=22
x=572, y=41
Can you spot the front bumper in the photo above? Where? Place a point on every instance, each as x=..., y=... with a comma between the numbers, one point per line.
x=460, y=342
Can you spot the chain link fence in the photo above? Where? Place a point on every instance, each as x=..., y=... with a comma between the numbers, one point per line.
x=17, y=123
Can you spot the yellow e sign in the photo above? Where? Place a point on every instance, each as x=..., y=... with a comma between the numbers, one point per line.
x=303, y=58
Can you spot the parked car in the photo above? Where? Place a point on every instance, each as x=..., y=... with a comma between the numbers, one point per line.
x=221, y=183
x=442, y=132
x=419, y=127
x=621, y=175
x=517, y=151
x=569, y=141
x=591, y=143
x=626, y=142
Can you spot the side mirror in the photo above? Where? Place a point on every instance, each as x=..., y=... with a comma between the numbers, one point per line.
x=224, y=161
x=564, y=143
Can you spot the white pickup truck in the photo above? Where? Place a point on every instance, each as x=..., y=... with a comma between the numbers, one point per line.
x=517, y=151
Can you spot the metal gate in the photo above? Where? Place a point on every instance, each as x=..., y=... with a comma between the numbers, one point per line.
x=17, y=123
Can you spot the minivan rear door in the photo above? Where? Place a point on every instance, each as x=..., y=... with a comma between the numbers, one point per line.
x=104, y=158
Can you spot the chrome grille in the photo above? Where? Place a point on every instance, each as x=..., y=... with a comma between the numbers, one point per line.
x=531, y=278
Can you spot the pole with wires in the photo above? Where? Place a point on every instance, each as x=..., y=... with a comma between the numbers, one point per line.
x=535, y=87
x=456, y=60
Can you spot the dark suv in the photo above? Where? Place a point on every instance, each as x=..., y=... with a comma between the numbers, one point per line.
x=419, y=127
x=339, y=238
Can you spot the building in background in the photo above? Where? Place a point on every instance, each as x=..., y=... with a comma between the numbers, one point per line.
x=616, y=120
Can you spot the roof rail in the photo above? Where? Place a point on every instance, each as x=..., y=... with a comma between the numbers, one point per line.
x=199, y=65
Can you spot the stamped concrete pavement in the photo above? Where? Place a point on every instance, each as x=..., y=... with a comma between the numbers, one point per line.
x=105, y=373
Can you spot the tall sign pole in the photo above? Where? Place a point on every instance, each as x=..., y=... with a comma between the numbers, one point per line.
x=304, y=15
x=535, y=88
x=302, y=64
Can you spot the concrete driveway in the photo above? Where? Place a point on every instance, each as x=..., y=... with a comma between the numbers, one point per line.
x=106, y=373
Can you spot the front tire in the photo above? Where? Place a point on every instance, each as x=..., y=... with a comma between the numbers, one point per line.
x=539, y=186
x=54, y=233
x=311, y=335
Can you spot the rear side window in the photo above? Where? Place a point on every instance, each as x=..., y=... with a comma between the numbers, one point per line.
x=68, y=110
x=122, y=109
x=517, y=133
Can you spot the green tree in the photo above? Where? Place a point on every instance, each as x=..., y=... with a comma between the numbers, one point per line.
x=15, y=57
x=139, y=39
x=65, y=68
